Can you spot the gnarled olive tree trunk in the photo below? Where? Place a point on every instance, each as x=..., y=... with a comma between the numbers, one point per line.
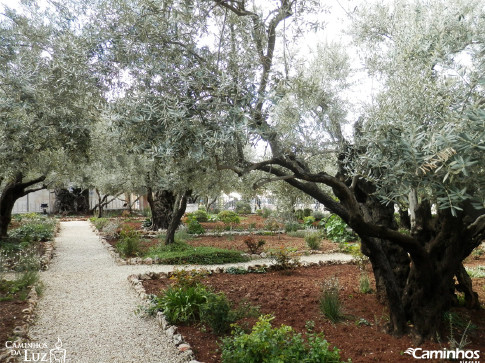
x=167, y=209
x=13, y=191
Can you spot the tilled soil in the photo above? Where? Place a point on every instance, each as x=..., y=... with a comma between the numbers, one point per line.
x=293, y=300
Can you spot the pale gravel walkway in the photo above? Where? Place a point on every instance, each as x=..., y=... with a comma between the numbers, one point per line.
x=89, y=304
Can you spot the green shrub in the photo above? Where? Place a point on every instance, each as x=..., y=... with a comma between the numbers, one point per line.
x=292, y=227
x=307, y=212
x=217, y=313
x=229, y=217
x=336, y=230
x=271, y=224
x=318, y=215
x=308, y=221
x=243, y=207
x=313, y=240
x=253, y=246
x=194, y=227
x=182, y=304
x=272, y=345
x=182, y=253
x=199, y=215
x=330, y=304
x=299, y=214
x=266, y=212
x=129, y=242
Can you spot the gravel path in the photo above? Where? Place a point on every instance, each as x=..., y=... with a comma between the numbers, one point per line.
x=89, y=304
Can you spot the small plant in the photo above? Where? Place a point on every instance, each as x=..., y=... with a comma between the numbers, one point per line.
x=229, y=218
x=99, y=223
x=336, y=229
x=286, y=258
x=364, y=284
x=478, y=271
x=243, y=207
x=253, y=246
x=18, y=288
x=182, y=304
x=194, y=227
x=186, y=278
x=217, y=313
x=266, y=212
x=313, y=240
x=199, y=215
x=283, y=344
x=271, y=224
x=110, y=230
x=129, y=242
x=318, y=215
x=292, y=227
x=308, y=221
x=299, y=214
x=330, y=304
x=147, y=223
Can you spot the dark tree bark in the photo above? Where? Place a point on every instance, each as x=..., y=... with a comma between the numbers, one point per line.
x=404, y=219
x=161, y=204
x=178, y=212
x=11, y=193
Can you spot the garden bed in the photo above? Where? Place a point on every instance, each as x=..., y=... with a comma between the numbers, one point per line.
x=293, y=300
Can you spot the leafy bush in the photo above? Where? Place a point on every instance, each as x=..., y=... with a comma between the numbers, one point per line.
x=318, y=215
x=194, y=227
x=299, y=214
x=308, y=221
x=146, y=223
x=217, y=313
x=129, y=242
x=271, y=224
x=243, y=207
x=229, y=217
x=292, y=227
x=307, y=212
x=110, y=229
x=253, y=246
x=336, y=229
x=283, y=344
x=313, y=240
x=285, y=258
x=199, y=215
x=330, y=304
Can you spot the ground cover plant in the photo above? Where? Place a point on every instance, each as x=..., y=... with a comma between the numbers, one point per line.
x=19, y=265
x=294, y=300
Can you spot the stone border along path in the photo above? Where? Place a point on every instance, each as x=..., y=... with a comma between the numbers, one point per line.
x=89, y=304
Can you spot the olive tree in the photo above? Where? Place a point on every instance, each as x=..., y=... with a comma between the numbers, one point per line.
x=47, y=101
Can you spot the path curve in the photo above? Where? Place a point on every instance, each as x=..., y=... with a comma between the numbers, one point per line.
x=89, y=304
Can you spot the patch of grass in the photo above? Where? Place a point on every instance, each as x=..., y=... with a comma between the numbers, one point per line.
x=182, y=253
x=297, y=234
x=330, y=304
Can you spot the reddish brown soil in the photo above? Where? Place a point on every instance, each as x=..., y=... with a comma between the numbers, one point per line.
x=272, y=242
x=293, y=299
x=10, y=315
